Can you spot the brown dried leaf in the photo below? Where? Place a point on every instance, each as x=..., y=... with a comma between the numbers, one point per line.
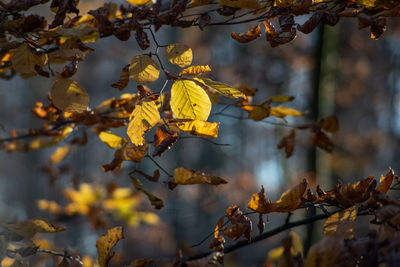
x=288, y=143
x=260, y=203
x=155, y=201
x=249, y=36
x=330, y=124
x=163, y=140
x=386, y=181
x=292, y=198
x=106, y=242
x=321, y=140
x=185, y=176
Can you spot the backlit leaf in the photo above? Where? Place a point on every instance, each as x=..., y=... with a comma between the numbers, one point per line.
x=179, y=54
x=282, y=112
x=105, y=243
x=155, y=201
x=143, y=118
x=123, y=79
x=27, y=229
x=112, y=140
x=24, y=60
x=200, y=128
x=260, y=203
x=292, y=198
x=386, y=181
x=143, y=69
x=341, y=224
x=59, y=154
x=139, y=2
x=163, y=140
x=185, y=176
x=222, y=88
x=189, y=101
x=249, y=36
x=69, y=96
x=195, y=70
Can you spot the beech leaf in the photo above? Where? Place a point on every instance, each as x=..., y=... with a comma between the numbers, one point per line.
x=112, y=140
x=185, y=176
x=341, y=224
x=195, y=70
x=179, y=54
x=69, y=96
x=221, y=88
x=143, y=69
x=27, y=229
x=155, y=201
x=200, y=128
x=106, y=242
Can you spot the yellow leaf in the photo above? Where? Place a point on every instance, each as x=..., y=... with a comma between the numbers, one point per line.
x=194, y=3
x=59, y=154
x=195, y=70
x=139, y=2
x=185, y=176
x=155, y=201
x=250, y=4
x=69, y=96
x=281, y=98
x=281, y=112
x=81, y=200
x=105, y=243
x=189, y=101
x=143, y=69
x=143, y=118
x=386, y=181
x=112, y=140
x=179, y=54
x=24, y=61
x=291, y=199
x=200, y=128
x=27, y=229
x=260, y=203
x=341, y=224
x=222, y=88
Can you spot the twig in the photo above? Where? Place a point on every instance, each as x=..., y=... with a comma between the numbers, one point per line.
x=158, y=165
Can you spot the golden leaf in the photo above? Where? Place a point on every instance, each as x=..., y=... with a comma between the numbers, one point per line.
x=200, y=128
x=139, y=2
x=185, y=176
x=112, y=140
x=155, y=201
x=24, y=60
x=143, y=118
x=260, y=203
x=179, y=54
x=222, y=88
x=27, y=229
x=292, y=198
x=281, y=98
x=386, y=181
x=189, y=101
x=195, y=70
x=143, y=69
x=105, y=243
x=59, y=154
x=282, y=112
x=69, y=96
x=341, y=224
x=250, y=4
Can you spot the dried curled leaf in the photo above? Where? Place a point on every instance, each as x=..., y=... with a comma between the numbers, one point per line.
x=143, y=118
x=241, y=225
x=189, y=101
x=155, y=201
x=249, y=36
x=143, y=69
x=341, y=224
x=288, y=142
x=163, y=140
x=195, y=70
x=330, y=124
x=112, y=140
x=123, y=79
x=185, y=176
x=69, y=96
x=105, y=243
x=386, y=181
x=200, y=128
x=292, y=198
x=260, y=203
x=27, y=229
x=129, y=152
x=179, y=54
x=24, y=61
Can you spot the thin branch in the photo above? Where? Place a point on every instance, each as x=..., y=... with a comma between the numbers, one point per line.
x=205, y=140
x=159, y=166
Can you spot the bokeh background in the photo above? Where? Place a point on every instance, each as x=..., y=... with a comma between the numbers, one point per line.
x=335, y=70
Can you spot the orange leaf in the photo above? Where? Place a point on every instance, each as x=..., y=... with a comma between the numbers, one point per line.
x=260, y=204
x=386, y=181
x=249, y=36
x=123, y=79
x=292, y=198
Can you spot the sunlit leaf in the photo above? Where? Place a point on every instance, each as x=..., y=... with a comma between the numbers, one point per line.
x=200, y=128
x=185, y=176
x=105, y=244
x=249, y=36
x=59, y=154
x=143, y=69
x=82, y=199
x=155, y=201
x=195, y=70
x=189, y=101
x=139, y=2
x=112, y=140
x=341, y=224
x=179, y=54
x=386, y=181
x=69, y=96
x=282, y=112
x=222, y=88
x=24, y=61
x=292, y=198
x=27, y=229
x=260, y=203
x=143, y=118
x=163, y=140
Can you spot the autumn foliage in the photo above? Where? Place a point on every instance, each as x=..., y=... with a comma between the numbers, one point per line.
x=155, y=119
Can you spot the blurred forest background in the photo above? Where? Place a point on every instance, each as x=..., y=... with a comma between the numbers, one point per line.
x=335, y=70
